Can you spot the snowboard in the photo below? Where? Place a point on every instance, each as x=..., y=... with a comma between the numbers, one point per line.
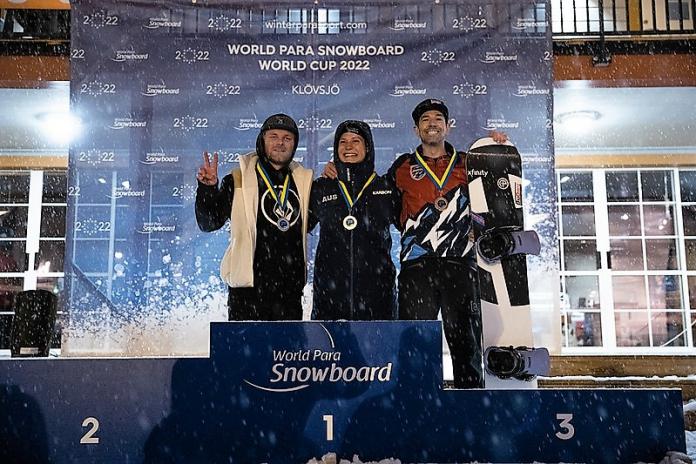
x=494, y=173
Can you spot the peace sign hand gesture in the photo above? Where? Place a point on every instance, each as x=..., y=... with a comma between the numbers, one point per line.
x=208, y=173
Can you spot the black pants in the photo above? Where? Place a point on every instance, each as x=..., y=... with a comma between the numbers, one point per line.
x=249, y=304
x=431, y=285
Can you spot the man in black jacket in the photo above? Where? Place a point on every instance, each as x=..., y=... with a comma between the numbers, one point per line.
x=266, y=199
x=354, y=274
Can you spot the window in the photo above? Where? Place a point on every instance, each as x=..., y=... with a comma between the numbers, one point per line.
x=32, y=239
x=628, y=259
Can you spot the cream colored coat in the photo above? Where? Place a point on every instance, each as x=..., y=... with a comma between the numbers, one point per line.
x=237, y=266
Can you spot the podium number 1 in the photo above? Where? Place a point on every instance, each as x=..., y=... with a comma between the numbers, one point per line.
x=328, y=418
x=568, y=429
x=88, y=438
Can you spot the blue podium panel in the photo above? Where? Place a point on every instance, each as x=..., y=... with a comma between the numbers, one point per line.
x=284, y=392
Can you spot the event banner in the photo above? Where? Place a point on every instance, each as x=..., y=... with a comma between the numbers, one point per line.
x=157, y=83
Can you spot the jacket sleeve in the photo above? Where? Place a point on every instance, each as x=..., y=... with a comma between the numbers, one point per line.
x=213, y=204
x=394, y=202
x=314, y=201
x=391, y=172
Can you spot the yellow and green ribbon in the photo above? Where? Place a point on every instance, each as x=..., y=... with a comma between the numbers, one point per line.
x=281, y=196
x=346, y=196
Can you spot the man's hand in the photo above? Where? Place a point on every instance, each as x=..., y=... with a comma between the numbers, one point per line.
x=208, y=173
x=498, y=137
x=330, y=170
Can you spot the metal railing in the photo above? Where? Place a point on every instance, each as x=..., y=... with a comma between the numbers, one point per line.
x=596, y=18
x=582, y=19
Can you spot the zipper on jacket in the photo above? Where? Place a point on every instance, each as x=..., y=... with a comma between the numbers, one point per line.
x=352, y=267
x=352, y=271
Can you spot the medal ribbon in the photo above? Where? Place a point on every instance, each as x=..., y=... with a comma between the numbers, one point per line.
x=280, y=197
x=439, y=182
x=346, y=195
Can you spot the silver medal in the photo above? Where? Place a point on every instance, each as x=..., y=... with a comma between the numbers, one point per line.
x=283, y=224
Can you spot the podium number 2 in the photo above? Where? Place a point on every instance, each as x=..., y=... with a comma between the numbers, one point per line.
x=328, y=418
x=568, y=431
x=88, y=438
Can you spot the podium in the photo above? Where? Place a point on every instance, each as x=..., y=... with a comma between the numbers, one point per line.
x=285, y=392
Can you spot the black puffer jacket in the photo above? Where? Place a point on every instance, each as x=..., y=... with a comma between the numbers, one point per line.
x=354, y=274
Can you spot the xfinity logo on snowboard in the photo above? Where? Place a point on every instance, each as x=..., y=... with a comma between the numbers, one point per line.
x=295, y=370
x=477, y=172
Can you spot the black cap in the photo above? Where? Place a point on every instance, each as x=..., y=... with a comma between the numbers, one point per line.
x=428, y=105
x=280, y=121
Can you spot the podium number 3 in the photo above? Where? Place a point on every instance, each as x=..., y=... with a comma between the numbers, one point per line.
x=328, y=418
x=568, y=431
x=88, y=438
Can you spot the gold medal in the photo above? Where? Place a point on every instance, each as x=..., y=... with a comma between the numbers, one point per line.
x=350, y=222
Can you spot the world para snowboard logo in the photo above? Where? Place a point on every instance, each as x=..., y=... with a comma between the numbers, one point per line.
x=295, y=370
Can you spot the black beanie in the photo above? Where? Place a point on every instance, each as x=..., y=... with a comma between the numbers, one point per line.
x=280, y=121
x=277, y=121
x=428, y=105
x=358, y=171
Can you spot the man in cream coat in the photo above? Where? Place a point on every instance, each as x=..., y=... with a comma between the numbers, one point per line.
x=266, y=199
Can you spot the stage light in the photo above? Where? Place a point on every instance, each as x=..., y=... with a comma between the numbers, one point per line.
x=578, y=121
x=59, y=127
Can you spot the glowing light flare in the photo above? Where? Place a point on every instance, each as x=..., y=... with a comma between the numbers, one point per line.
x=59, y=127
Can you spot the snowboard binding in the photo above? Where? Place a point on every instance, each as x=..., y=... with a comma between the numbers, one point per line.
x=497, y=243
x=522, y=363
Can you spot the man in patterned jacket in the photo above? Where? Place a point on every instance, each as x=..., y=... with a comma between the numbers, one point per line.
x=438, y=262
